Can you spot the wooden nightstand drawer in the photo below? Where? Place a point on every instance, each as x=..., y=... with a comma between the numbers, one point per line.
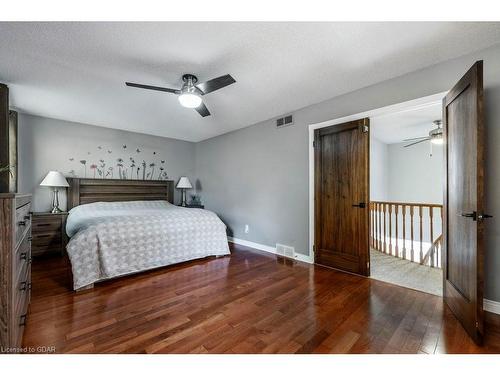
x=46, y=225
x=46, y=238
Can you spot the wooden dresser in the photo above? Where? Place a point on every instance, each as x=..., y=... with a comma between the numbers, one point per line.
x=15, y=268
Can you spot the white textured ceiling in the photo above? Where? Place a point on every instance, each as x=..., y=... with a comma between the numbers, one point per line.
x=394, y=127
x=76, y=71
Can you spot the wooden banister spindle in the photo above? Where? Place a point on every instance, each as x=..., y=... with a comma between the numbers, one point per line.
x=375, y=245
x=380, y=226
x=420, y=214
x=370, y=206
x=385, y=227
x=374, y=229
x=396, y=250
x=431, y=222
x=390, y=228
x=403, y=208
x=412, y=252
x=374, y=225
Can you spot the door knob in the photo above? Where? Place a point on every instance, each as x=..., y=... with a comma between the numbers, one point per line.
x=475, y=216
x=472, y=215
x=360, y=205
x=484, y=216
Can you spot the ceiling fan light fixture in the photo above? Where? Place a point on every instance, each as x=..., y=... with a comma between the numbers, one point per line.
x=437, y=140
x=189, y=100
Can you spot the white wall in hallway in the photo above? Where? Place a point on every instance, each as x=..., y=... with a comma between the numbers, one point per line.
x=413, y=175
x=379, y=174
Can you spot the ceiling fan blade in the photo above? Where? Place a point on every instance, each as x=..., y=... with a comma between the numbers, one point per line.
x=216, y=83
x=414, y=143
x=416, y=139
x=157, y=88
x=203, y=110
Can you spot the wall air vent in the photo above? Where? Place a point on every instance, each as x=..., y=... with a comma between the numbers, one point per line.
x=284, y=121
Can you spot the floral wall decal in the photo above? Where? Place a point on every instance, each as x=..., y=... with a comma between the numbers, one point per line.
x=93, y=167
x=84, y=163
x=104, y=168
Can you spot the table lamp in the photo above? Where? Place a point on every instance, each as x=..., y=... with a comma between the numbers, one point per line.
x=55, y=180
x=184, y=184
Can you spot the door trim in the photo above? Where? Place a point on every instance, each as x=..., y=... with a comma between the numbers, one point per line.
x=410, y=105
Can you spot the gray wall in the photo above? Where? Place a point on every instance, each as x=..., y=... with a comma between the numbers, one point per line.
x=259, y=175
x=47, y=144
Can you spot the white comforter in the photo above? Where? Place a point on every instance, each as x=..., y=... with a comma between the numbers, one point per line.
x=110, y=239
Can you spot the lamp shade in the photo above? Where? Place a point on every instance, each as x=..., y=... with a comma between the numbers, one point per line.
x=54, y=179
x=184, y=183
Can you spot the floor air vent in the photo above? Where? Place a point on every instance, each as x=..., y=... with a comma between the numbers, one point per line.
x=286, y=251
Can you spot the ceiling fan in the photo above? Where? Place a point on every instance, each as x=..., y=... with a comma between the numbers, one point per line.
x=190, y=93
x=435, y=136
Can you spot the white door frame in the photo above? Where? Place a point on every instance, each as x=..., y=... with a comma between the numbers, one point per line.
x=410, y=105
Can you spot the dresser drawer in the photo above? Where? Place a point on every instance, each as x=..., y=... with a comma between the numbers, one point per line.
x=23, y=221
x=21, y=290
x=22, y=257
x=19, y=321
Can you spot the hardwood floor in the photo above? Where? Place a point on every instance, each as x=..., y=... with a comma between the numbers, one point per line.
x=249, y=302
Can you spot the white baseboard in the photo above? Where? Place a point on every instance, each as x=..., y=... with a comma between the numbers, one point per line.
x=491, y=306
x=269, y=249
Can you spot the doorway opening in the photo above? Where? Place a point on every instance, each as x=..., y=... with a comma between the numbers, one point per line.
x=406, y=198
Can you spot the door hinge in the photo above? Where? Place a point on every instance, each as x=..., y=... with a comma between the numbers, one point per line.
x=314, y=144
x=363, y=128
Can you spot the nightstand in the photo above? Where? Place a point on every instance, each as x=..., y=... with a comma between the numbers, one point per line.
x=193, y=206
x=48, y=232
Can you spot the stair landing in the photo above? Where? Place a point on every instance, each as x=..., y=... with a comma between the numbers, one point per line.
x=405, y=273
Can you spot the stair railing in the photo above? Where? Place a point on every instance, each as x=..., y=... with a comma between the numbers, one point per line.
x=404, y=229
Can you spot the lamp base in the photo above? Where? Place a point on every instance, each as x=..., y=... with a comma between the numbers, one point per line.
x=183, y=201
x=56, y=210
x=55, y=202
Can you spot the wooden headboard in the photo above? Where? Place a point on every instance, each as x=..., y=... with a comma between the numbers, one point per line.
x=89, y=190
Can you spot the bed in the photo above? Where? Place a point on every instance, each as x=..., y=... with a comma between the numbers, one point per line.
x=121, y=227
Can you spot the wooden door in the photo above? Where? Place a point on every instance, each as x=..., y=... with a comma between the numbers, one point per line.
x=342, y=196
x=463, y=200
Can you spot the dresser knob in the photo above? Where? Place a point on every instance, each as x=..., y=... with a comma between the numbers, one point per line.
x=21, y=223
x=22, y=320
x=24, y=255
x=24, y=286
